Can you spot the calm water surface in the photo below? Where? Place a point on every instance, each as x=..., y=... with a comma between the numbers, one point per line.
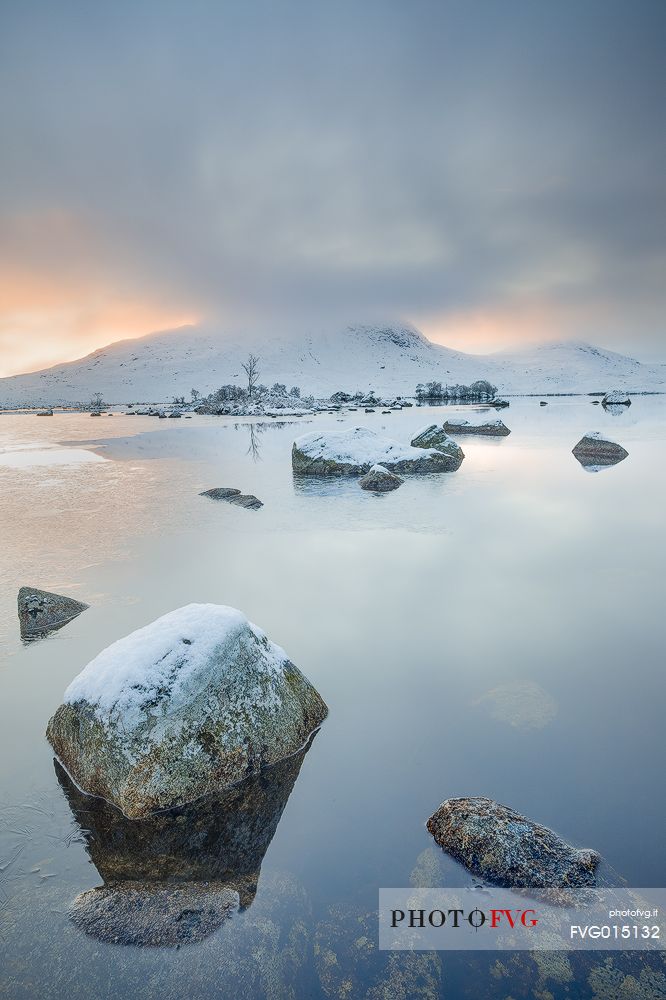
x=497, y=631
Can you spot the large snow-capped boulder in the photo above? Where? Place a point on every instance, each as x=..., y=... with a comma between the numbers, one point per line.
x=40, y=611
x=616, y=397
x=499, y=844
x=434, y=436
x=353, y=452
x=461, y=425
x=380, y=480
x=594, y=450
x=186, y=706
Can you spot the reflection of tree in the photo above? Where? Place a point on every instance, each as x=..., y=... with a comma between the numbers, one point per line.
x=254, y=449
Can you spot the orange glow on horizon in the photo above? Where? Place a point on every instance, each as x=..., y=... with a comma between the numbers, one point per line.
x=43, y=323
x=482, y=331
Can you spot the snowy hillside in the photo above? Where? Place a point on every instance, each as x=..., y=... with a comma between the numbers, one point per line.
x=390, y=359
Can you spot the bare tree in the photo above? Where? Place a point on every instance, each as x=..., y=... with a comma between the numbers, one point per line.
x=97, y=401
x=251, y=369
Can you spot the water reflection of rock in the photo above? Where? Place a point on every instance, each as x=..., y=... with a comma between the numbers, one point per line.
x=175, y=876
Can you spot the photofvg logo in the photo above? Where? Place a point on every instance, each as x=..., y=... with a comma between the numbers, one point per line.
x=476, y=918
x=490, y=919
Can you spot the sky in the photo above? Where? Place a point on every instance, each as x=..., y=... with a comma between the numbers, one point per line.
x=493, y=171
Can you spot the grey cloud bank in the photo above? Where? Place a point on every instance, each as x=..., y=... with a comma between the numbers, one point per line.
x=292, y=160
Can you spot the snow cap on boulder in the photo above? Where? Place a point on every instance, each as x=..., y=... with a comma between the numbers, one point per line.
x=353, y=452
x=434, y=436
x=187, y=705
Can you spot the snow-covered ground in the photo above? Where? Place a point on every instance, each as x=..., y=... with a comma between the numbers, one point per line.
x=389, y=359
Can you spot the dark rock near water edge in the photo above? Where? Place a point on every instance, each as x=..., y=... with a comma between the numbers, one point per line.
x=380, y=480
x=246, y=500
x=500, y=845
x=488, y=428
x=40, y=611
x=596, y=451
x=235, y=496
x=221, y=493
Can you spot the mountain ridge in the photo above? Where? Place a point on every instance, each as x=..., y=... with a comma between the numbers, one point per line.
x=389, y=358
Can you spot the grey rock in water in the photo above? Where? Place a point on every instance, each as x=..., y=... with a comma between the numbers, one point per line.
x=248, y=501
x=353, y=452
x=233, y=496
x=488, y=428
x=40, y=611
x=221, y=493
x=596, y=451
x=380, y=480
x=153, y=915
x=616, y=397
x=500, y=845
x=434, y=436
x=543, y=403
x=185, y=707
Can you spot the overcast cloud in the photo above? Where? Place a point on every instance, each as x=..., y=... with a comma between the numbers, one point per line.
x=244, y=162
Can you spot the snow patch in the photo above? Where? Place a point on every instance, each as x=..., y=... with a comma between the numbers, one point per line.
x=170, y=662
x=356, y=446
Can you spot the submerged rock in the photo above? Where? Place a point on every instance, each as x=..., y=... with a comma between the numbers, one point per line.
x=350, y=964
x=354, y=451
x=616, y=397
x=596, y=451
x=150, y=915
x=434, y=436
x=521, y=704
x=182, y=708
x=380, y=480
x=500, y=845
x=40, y=611
x=491, y=428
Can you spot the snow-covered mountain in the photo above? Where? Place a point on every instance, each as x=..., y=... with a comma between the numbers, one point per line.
x=390, y=359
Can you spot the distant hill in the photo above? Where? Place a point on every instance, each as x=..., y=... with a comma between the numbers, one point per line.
x=391, y=359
